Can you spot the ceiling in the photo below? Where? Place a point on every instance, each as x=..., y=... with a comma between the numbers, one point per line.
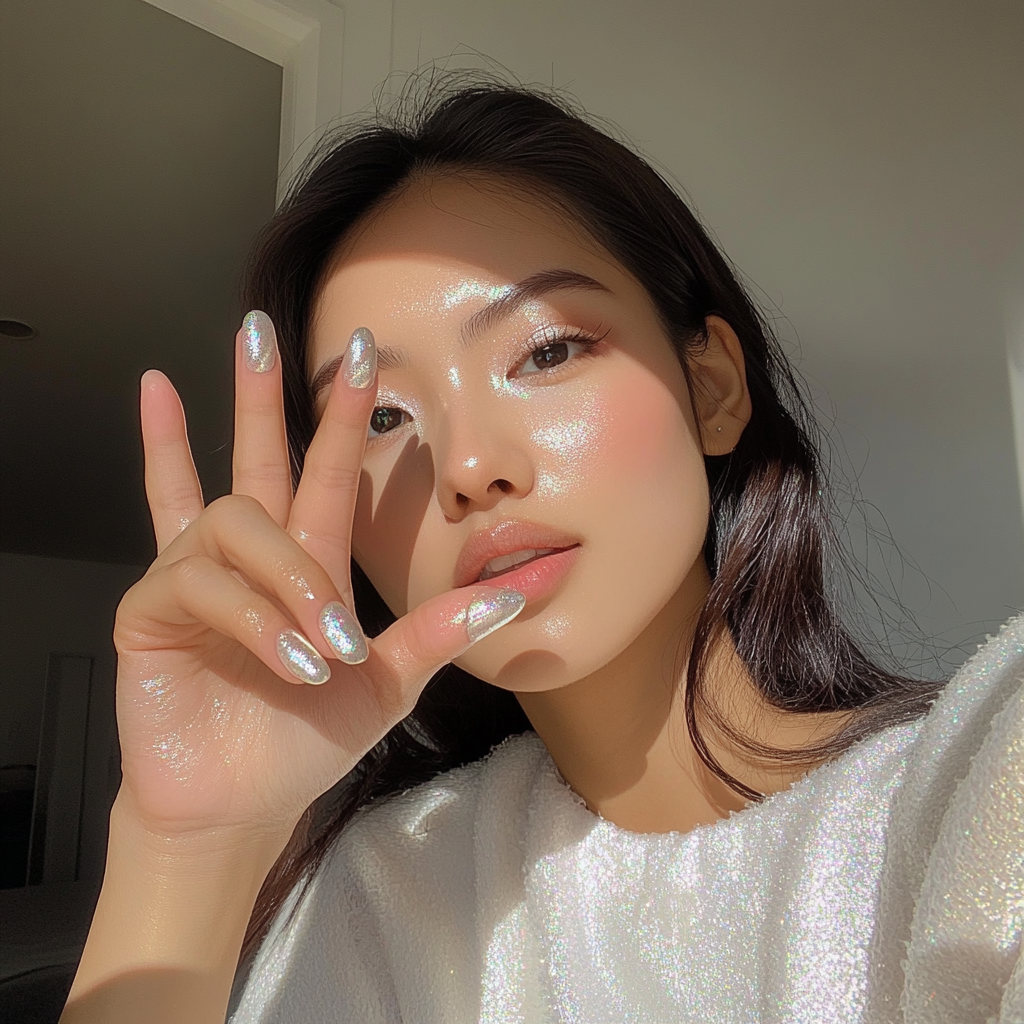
x=140, y=158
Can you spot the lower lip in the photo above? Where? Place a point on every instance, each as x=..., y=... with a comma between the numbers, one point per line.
x=538, y=578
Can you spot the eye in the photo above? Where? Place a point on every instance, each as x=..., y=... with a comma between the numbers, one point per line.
x=384, y=419
x=555, y=348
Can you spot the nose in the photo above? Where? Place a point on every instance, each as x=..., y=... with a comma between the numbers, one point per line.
x=479, y=466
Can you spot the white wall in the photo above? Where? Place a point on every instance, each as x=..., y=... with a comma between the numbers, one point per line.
x=55, y=606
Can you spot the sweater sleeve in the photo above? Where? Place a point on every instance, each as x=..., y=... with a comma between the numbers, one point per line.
x=321, y=963
x=965, y=942
x=948, y=945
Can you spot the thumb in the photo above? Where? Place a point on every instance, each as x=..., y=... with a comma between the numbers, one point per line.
x=404, y=657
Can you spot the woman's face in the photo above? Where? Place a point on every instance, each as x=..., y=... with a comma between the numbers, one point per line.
x=479, y=444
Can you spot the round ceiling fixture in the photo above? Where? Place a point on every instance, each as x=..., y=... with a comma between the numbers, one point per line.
x=17, y=329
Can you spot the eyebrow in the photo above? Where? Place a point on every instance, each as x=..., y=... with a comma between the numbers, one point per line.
x=506, y=305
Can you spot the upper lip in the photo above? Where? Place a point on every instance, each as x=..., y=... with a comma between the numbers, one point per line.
x=504, y=538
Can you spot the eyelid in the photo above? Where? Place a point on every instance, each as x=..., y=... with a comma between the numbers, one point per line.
x=554, y=334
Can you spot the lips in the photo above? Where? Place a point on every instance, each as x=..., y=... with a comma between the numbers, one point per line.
x=507, y=563
x=512, y=537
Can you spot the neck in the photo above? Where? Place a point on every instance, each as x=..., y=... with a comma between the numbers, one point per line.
x=619, y=736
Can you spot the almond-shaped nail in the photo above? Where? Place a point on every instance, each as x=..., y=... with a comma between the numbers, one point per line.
x=486, y=614
x=359, y=365
x=259, y=341
x=301, y=658
x=341, y=630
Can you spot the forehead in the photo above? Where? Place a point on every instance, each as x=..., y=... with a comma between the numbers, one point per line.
x=447, y=243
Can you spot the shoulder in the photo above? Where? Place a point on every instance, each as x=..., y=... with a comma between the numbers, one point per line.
x=396, y=898
x=429, y=831
x=451, y=799
x=967, y=738
x=956, y=845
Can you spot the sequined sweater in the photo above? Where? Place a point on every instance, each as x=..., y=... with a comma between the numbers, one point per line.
x=884, y=887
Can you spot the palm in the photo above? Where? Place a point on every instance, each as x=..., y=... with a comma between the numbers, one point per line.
x=214, y=736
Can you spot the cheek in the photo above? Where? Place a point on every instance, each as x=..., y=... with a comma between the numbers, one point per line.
x=626, y=439
x=391, y=505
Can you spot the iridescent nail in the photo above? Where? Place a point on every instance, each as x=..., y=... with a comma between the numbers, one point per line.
x=259, y=341
x=342, y=632
x=486, y=614
x=360, y=363
x=300, y=657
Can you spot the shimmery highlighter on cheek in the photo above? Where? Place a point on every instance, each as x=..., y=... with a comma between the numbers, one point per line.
x=576, y=443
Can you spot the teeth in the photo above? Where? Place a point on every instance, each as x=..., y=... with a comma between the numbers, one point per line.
x=503, y=562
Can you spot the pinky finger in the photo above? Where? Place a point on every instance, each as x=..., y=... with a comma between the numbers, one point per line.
x=201, y=590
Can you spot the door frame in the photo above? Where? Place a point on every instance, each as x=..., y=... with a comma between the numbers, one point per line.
x=334, y=57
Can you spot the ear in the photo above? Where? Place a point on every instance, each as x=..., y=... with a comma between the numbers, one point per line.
x=721, y=399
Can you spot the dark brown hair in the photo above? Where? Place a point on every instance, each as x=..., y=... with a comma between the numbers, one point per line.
x=770, y=534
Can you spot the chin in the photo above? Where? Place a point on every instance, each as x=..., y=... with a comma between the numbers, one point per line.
x=549, y=662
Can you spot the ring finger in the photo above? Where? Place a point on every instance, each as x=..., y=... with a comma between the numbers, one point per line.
x=240, y=533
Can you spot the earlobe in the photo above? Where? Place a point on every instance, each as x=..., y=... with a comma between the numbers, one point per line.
x=721, y=398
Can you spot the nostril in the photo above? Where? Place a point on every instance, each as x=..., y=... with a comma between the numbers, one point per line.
x=503, y=485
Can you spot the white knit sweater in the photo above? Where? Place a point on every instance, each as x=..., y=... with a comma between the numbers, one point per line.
x=885, y=886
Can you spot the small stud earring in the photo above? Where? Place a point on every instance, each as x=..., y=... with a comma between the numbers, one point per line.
x=719, y=429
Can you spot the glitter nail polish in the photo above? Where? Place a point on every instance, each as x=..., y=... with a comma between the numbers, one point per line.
x=485, y=615
x=259, y=341
x=360, y=362
x=301, y=658
x=342, y=632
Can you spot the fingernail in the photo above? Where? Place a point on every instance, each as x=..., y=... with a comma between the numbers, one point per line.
x=342, y=632
x=259, y=341
x=360, y=362
x=486, y=614
x=300, y=657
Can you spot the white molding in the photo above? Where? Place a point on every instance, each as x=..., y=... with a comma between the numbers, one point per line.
x=322, y=78
x=1014, y=309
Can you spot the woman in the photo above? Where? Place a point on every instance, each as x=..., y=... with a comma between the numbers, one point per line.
x=528, y=405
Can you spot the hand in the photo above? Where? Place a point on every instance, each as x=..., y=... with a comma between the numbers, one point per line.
x=249, y=601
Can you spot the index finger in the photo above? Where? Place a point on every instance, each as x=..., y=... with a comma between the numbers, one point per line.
x=325, y=501
x=259, y=463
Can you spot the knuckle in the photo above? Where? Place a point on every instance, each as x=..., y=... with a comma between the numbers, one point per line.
x=175, y=496
x=188, y=570
x=393, y=699
x=250, y=620
x=424, y=644
x=332, y=476
x=229, y=508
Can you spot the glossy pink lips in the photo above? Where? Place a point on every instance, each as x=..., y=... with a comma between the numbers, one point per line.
x=505, y=538
x=540, y=577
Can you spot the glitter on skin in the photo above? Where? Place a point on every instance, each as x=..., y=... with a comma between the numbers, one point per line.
x=253, y=621
x=466, y=290
x=182, y=748
x=302, y=586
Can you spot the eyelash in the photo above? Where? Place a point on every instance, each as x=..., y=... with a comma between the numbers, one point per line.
x=549, y=337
